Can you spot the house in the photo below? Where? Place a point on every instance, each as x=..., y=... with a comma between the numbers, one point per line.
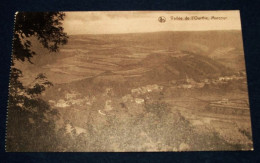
x=62, y=104
x=52, y=102
x=139, y=100
x=221, y=78
x=72, y=95
x=146, y=89
x=108, y=106
x=127, y=98
x=135, y=91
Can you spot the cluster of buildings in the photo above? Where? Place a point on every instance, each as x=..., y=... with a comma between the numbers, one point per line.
x=72, y=98
x=146, y=89
x=190, y=83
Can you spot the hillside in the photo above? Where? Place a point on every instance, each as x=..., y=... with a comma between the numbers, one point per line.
x=151, y=89
x=134, y=55
x=179, y=65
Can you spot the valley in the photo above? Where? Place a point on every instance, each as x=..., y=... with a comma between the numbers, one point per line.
x=162, y=91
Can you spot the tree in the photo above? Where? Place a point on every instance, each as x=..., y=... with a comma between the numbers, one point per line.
x=31, y=119
x=45, y=26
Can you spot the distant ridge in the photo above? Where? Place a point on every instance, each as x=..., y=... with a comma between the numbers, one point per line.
x=152, y=32
x=202, y=42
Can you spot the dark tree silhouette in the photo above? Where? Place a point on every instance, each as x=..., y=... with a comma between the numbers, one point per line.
x=45, y=26
x=31, y=119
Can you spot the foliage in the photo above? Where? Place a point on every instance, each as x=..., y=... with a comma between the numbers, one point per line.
x=45, y=26
x=158, y=108
x=31, y=120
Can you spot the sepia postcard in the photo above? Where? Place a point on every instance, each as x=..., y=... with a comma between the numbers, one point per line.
x=128, y=81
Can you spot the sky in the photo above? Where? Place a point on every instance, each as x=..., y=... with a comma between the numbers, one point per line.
x=115, y=22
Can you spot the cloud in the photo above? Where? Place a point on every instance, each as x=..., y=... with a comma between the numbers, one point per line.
x=95, y=15
x=107, y=22
x=83, y=16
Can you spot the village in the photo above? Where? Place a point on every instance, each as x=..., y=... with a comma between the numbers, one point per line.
x=189, y=83
x=133, y=103
x=73, y=98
